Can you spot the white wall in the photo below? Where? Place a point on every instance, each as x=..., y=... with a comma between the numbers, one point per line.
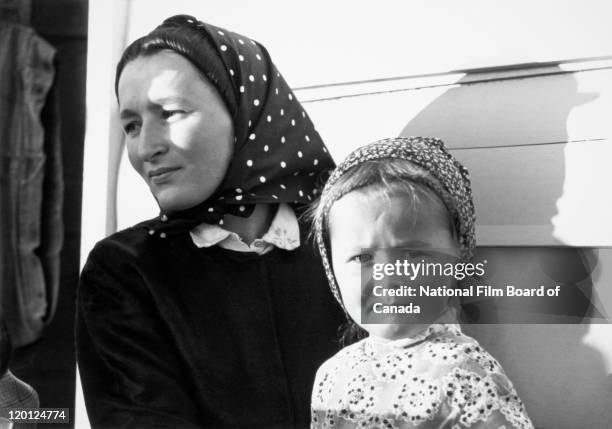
x=536, y=141
x=319, y=43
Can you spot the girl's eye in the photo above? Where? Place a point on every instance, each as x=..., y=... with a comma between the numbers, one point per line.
x=416, y=254
x=361, y=259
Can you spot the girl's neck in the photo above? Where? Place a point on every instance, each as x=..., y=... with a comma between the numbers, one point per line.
x=254, y=226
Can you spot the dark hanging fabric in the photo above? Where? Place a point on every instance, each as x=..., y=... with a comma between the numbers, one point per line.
x=31, y=184
x=278, y=157
x=16, y=11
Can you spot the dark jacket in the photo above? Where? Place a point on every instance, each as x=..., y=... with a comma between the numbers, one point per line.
x=170, y=335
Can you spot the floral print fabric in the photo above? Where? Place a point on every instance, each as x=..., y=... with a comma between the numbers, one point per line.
x=442, y=379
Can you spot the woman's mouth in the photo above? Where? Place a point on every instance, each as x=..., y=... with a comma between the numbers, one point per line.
x=162, y=174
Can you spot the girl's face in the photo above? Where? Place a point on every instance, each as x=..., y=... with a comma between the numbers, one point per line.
x=179, y=134
x=370, y=227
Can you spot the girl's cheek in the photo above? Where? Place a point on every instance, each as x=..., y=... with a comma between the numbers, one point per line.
x=349, y=283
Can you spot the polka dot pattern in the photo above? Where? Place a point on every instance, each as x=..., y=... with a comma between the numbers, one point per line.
x=275, y=140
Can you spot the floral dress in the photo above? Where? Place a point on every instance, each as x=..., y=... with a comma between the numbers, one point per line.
x=440, y=379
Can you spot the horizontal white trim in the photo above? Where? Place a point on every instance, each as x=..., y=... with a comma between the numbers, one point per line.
x=533, y=235
x=334, y=91
x=528, y=144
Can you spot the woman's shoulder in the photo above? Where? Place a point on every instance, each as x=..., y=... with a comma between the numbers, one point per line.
x=124, y=254
x=128, y=240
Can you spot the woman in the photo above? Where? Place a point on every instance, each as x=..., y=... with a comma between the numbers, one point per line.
x=216, y=313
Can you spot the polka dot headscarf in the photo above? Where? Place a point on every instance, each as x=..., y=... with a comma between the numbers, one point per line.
x=449, y=180
x=278, y=155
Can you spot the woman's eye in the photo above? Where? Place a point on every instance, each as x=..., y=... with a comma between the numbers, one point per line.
x=131, y=128
x=169, y=114
x=362, y=259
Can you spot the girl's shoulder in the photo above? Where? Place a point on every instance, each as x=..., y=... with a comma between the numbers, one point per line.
x=345, y=359
x=477, y=384
x=462, y=350
x=345, y=353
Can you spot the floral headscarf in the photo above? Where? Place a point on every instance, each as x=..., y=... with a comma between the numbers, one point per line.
x=449, y=180
x=278, y=157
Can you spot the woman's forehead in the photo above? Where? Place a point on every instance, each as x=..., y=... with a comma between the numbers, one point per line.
x=161, y=76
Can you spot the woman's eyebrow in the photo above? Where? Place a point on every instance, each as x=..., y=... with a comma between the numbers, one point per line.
x=127, y=113
x=169, y=99
x=154, y=105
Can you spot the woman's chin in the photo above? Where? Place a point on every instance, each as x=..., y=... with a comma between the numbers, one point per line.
x=169, y=201
x=172, y=205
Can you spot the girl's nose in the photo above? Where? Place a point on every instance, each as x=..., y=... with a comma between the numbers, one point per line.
x=395, y=277
x=153, y=141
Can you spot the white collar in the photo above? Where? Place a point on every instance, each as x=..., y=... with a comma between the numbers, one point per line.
x=284, y=233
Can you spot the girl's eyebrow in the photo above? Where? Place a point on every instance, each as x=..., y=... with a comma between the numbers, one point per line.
x=405, y=244
x=357, y=248
x=409, y=244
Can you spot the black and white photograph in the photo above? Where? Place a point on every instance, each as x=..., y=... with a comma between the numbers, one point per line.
x=324, y=214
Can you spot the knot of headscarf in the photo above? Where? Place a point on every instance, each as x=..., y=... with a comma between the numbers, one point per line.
x=449, y=180
x=278, y=154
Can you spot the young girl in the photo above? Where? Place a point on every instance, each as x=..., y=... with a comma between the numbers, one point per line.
x=404, y=193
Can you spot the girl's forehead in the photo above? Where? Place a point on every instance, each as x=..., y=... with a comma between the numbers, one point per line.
x=379, y=201
x=404, y=216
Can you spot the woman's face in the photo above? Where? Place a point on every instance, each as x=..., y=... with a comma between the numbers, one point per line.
x=179, y=134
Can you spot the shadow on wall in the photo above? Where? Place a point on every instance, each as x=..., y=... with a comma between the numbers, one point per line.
x=511, y=134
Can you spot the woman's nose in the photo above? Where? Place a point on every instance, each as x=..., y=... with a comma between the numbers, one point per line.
x=154, y=141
